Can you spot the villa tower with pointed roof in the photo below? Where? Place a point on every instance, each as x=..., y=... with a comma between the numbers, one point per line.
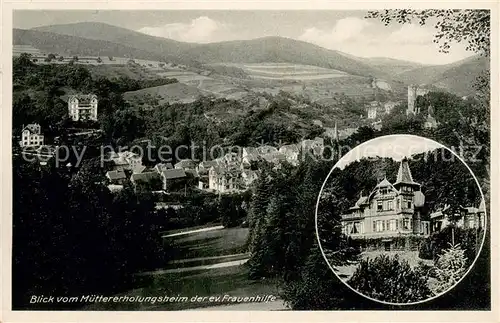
x=390, y=210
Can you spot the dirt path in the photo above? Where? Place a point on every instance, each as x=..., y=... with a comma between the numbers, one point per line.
x=218, y=227
x=186, y=269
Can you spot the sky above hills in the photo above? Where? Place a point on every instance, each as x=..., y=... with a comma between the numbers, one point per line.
x=346, y=31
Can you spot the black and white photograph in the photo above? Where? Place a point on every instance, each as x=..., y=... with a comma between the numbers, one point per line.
x=401, y=219
x=248, y=160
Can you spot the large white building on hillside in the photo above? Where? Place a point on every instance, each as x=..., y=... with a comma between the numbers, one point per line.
x=82, y=107
x=31, y=136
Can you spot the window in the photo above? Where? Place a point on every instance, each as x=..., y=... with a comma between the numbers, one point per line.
x=379, y=206
x=379, y=226
x=392, y=225
x=390, y=205
x=407, y=202
x=424, y=228
x=355, y=228
x=406, y=224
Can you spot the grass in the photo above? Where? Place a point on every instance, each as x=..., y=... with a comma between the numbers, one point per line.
x=207, y=244
x=175, y=92
x=191, y=250
x=215, y=282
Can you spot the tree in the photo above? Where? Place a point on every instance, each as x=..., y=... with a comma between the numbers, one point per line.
x=453, y=25
x=449, y=268
x=51, y=57
x=75, y=58
x=111, y=58
x=61, y=58
x=99, y=60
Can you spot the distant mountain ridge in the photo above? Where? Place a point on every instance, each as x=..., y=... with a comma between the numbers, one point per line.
x=267, y=49
x=93, y=38
x=458, y=76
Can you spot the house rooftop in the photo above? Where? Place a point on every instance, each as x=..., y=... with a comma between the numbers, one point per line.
x=114, y=175
x=144, y=177
x=185, y=163
x=404, y=174
x=83, y=98
x=384, y=183
x=163, y=166
x=138, y=169
x=173, y=173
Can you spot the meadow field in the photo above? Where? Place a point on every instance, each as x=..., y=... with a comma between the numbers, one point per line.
x=203, y=261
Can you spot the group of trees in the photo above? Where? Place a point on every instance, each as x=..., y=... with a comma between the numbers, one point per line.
x=73, y=237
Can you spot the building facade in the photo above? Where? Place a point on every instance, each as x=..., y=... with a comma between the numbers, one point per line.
x=31, y=136
x=224, y=180
x=82, y=107
x=469, y=217
x=390, y=210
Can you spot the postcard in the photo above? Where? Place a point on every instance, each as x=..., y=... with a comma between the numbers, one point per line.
x=249, y=162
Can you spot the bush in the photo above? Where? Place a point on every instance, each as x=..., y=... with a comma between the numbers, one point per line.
x=389, y=279
x=450, y=267
x=469, y=239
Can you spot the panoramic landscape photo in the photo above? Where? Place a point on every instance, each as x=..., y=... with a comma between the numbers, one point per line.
x=172, y=159
x=402, y=225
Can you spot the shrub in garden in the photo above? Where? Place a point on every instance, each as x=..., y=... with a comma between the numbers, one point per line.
x=389, y=279
x=449, y=268
x=469, y=239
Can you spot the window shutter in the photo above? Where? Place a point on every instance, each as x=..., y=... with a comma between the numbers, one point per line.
x=374, y=226
x=397, y=224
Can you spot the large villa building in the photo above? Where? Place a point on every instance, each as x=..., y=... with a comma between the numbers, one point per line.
x=390, y=210
x=82, y=107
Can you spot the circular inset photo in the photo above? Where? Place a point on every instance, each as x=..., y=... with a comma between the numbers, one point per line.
x=400, y=219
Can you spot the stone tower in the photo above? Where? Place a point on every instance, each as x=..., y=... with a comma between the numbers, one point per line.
x=412, y=98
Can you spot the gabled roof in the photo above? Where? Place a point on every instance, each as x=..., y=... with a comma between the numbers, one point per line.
x=384, y=183
x=33, y=127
